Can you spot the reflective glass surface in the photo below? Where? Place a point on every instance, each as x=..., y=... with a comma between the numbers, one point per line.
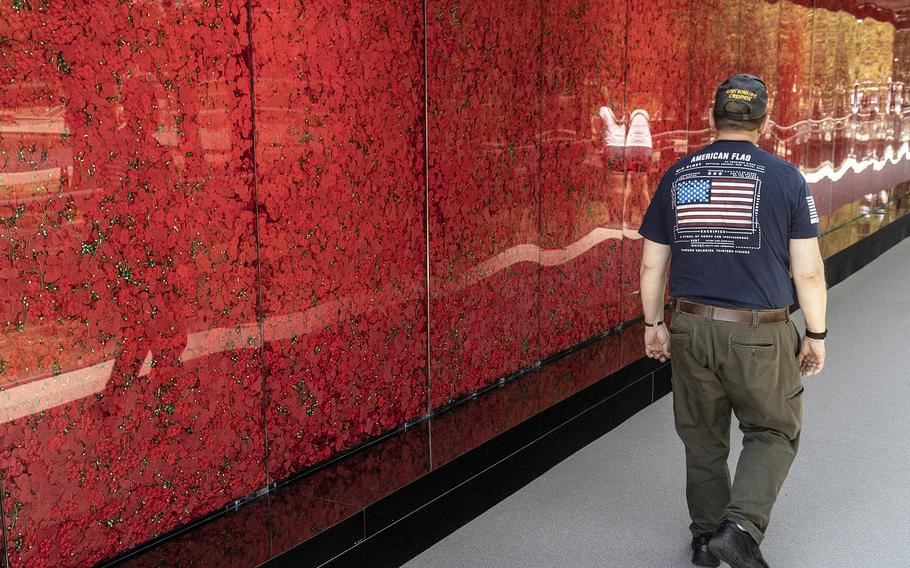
x=241, y=238
x=131, y=383
x=483, y=150
x=657, y=90
x=340, y=187
x=582, y=169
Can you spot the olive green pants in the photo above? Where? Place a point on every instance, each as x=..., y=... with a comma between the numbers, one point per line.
x=752, y=370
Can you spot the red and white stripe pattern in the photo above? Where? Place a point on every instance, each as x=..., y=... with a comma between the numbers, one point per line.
x=715, y=202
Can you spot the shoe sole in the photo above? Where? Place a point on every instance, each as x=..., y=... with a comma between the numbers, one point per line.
x=706, y=563
x=725, y=551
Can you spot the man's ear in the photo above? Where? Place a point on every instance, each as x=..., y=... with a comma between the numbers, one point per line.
x=711, y=119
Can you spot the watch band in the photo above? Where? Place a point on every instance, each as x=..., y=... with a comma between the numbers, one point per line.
x=816, y=335
x=653, y=324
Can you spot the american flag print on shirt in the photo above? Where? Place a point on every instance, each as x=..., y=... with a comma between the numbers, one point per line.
x=708, y=203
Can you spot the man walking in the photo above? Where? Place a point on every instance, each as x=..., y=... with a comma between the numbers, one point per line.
x=738, y=222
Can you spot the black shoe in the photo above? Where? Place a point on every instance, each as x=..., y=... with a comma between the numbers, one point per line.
x=702, y=556
x=736, y=547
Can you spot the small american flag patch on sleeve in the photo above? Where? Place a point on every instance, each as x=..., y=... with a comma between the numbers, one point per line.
x=813, y=213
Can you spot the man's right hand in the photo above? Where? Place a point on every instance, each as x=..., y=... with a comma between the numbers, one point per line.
x=811, y=356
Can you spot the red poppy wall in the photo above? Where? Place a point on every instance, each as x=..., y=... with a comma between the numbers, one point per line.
x=131, y=376
x=340, y=179
x=240, y=237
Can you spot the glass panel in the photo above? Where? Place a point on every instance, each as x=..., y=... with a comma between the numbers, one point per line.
x=340, y=143
x=791, y=112
x=758, y=54
x=874, y=61
x=819, y=161
x=295, y=517
x=900, y=109
x=130, y=365
x=863, y=171
x=475, y=422
x=834, y=101
x=714, y=57
x=237, y=538
x=483, y=67
x=582, y=174
x=583, y=367
x=368, y=475
x=657, y=94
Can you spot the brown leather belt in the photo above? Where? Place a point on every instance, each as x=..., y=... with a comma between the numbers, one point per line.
x=732, y=314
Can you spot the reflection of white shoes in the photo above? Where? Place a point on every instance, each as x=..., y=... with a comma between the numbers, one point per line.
x=639, y=130
x=614, y=133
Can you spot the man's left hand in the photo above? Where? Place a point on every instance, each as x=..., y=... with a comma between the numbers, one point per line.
x=657, y=342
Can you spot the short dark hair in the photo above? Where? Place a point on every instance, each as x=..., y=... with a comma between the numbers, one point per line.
x=724, y=123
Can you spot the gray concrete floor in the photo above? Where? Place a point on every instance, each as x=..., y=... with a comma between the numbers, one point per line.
x=619, y=502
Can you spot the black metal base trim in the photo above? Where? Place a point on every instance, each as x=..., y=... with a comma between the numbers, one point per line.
x=440, y=480
x=459, y=491
x=844, y=263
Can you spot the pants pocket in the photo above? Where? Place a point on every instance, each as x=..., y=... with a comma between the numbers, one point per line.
x=754, y=349
x=796, y=340
x=798, y=392
x=679, y=341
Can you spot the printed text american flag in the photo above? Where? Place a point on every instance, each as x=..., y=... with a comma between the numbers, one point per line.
x=715, y=202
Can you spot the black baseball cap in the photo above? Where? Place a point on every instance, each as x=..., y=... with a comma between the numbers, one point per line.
x=747, y=89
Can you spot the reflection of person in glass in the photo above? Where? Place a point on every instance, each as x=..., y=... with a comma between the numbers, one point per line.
x=627, y=150
x=614, y=138
x=633, y=145
x=639, y=145
x=738, y=221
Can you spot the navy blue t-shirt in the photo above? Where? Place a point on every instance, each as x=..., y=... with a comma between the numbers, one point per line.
x=728, y=212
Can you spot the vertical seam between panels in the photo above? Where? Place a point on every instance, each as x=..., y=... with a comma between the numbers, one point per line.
x=689, y=62
x=780, y=13
x=3, y=538
x=739, y=28
x=812, y=92
x=689, y=26
x=426, y=218
x=689, y=104
x=626, y=64
x=540, y=96
x=256, y=232
x=811, y=62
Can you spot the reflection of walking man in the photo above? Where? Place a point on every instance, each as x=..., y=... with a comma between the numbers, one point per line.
x=737, y=221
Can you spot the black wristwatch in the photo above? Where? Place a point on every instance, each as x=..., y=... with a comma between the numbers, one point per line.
x=816, y=335
x=653, y=324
